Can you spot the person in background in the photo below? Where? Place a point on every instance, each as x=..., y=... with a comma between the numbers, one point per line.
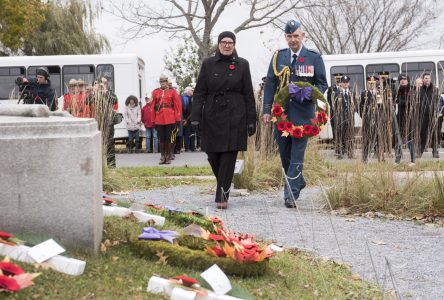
x=403, y=99
x=133, y=118
x=148, y=122
x=166, y=114
x=189, y=135
x=428, y=114
x=224, y=105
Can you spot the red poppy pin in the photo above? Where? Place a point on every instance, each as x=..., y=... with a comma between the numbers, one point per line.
x=231, y=67
x=301, y=59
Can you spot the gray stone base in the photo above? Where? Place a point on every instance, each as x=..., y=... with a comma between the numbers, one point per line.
x=51, y=179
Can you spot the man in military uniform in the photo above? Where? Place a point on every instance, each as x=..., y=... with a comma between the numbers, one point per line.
x=342, y=118
x=367, y=111
x=295, y=63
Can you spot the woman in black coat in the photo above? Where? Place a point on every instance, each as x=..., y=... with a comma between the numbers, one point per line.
x=224, y=107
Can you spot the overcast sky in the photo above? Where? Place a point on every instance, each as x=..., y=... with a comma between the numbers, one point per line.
x=256, y=45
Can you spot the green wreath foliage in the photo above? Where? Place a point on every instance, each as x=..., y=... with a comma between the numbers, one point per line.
x=187, y=252
x=183, y=219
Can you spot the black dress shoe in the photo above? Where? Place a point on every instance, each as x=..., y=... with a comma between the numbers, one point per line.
x=289, y=203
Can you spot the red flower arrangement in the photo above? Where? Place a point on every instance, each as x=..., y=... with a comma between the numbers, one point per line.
x=289, y=129
x=186, y=281
x=301, y=59
x=231, y=67
x=8, y=239
x=281, y=126
x=307, y=129
x=10, y=269
x=8, y=284
x=277, y=110
x=13, y=278
x=297, y=132
x=242, y=248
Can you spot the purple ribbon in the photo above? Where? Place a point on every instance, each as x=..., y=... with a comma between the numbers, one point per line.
x=150, y=233
x=299, y=94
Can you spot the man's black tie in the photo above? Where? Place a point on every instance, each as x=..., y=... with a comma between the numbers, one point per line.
x=293, y=63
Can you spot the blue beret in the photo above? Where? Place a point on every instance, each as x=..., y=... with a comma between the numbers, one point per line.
x=292, y=26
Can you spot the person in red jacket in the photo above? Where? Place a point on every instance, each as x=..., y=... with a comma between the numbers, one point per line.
x=166, y=114
x=148, y=122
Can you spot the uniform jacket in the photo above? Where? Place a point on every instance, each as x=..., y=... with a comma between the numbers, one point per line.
x=186, y=107
x=300, y=113
x=133, y=117
x=223, y=102
x=147, y=115
x=167, y=106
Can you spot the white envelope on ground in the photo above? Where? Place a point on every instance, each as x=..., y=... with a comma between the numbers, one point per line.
x=45, y=251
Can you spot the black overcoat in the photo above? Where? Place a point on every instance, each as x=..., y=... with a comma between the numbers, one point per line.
x=224, y=103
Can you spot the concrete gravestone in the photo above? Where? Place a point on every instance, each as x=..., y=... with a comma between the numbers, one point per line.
x=50, y=177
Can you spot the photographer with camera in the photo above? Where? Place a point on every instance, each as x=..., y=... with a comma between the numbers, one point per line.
x=37, y=90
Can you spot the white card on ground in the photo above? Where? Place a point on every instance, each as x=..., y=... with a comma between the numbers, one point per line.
x=45, y=251
x=217, y=279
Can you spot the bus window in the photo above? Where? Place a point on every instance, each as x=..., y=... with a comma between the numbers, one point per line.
x=356, y=74
x=106, y=71
x=416, y=69
x=441, y=76
x=8, y=88
x=375, y=69
x=84, y=72
x=55, y=77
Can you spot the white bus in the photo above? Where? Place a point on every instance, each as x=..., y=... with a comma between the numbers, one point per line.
x=359, y=66
x=125, y=74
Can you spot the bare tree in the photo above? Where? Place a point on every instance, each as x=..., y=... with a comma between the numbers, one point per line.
x=360, y=26
x=198, y=17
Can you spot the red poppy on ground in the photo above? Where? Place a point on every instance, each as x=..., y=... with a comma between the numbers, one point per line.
x=216, y=251
x=186, y=281
x=10, y=268
x=5, y=235
x=307, y=129
x=231, y=67
x=314, y=130
x=9, y=284
x=277, y=110
x=301, y=59
x=281, y=126
x=297, y=132
x=288, y=126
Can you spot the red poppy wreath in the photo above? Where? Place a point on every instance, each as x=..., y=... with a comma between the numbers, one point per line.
x=300, y=92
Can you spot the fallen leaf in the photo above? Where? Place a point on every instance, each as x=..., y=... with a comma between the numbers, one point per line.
x=349, y=220
x=115, y=258
x=419, y=217
x=25, y=280
x=356, y=277
x=162, y=258
x=43, y=266
x=119, y=279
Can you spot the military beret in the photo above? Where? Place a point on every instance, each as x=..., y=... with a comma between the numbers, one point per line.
x=403, y=76
x=292, y=26
x=345, y=78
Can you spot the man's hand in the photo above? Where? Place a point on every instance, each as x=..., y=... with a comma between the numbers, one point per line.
x=266, y=118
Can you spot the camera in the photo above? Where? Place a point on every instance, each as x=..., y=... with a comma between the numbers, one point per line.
x=26, y=90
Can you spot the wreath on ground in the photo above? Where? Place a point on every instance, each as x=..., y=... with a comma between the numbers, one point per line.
x=300, y=92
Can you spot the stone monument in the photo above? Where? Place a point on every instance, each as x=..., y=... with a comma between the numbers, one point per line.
x=50, y=176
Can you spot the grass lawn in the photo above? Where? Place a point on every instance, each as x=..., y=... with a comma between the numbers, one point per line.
x=119, y=273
